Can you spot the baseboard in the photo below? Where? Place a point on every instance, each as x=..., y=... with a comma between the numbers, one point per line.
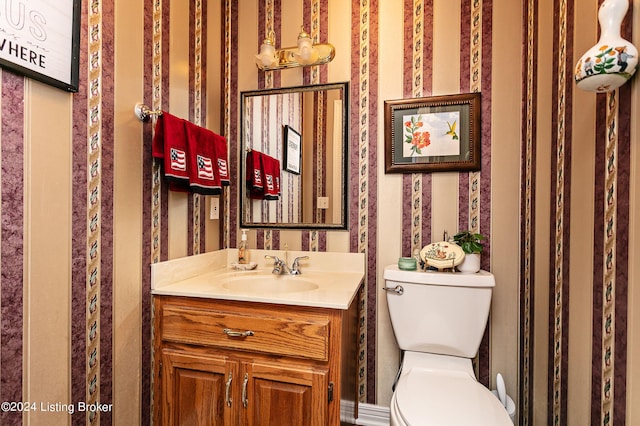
x=372, y=415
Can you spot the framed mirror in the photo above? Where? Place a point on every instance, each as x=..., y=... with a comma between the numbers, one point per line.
x=293, y=160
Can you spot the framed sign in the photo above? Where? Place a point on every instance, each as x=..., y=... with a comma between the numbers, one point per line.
x=434, y=134
x=41, y=40
x=292, y=150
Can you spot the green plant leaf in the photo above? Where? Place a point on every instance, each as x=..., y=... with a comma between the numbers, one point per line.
x=470, y=242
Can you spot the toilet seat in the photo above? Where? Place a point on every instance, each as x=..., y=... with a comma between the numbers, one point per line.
x=433, y=397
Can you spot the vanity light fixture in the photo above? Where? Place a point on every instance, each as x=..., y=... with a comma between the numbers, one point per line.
x=613, y=60
x=304, y=54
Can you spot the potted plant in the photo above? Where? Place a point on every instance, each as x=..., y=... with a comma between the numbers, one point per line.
x=471, y=244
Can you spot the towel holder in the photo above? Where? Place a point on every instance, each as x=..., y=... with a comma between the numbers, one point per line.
x=144, y=113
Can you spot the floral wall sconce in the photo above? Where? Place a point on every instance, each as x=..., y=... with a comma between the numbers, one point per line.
x=304, y=54
x=613, y=60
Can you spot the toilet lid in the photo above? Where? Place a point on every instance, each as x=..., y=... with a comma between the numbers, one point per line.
x=447, y=398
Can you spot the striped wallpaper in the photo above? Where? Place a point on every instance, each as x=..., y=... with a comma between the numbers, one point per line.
x=84, y=210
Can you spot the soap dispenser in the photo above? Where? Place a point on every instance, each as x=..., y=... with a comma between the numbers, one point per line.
x=243, y=252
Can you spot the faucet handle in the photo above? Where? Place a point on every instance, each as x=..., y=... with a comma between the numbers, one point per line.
x=298, y=259
x=278, y=265
x=296, y=265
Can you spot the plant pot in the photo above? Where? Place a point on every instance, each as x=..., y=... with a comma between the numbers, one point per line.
x=470, y=264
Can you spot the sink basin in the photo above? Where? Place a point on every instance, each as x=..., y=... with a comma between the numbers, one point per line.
x=268, y=284
x=328, y=280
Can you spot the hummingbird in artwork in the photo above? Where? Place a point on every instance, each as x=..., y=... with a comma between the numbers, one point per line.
x=452, y=131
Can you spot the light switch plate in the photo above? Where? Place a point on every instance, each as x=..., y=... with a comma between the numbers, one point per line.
x=323, y=202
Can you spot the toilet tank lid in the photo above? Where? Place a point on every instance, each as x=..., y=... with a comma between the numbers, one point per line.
x=452, y=279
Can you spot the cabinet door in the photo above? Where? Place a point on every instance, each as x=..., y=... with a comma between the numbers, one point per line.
x=275, y=395
x=197, y=389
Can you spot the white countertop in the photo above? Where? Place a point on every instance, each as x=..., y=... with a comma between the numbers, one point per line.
x=336, y=275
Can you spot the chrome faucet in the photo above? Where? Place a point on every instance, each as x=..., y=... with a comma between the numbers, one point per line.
x=280, y=266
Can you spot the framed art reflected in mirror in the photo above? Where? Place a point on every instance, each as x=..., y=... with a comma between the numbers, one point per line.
x=292, y=150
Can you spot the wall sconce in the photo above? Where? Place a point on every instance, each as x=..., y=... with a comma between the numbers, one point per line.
x=304, y=54
x=613, y=60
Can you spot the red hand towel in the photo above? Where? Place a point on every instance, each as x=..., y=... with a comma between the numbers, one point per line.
x=203, y=173
x=170, y=144
x=254, y=175
x=221, y=159
x=276, y=174
x=271, y=167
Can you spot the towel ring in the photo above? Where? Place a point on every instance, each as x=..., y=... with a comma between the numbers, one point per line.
x=144, y=113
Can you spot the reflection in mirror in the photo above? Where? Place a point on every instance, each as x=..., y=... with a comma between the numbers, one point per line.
x=294, y=155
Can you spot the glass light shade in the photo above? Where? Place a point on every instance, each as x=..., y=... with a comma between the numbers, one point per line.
x=267, y=56
x=306, y=53
x=613, y=60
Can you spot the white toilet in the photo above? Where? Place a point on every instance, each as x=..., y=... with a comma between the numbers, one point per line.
x=439, y=319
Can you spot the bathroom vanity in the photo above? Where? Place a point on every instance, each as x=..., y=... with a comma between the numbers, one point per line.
x=253, y=348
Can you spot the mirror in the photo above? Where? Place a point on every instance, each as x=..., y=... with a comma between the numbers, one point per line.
x=294, y=139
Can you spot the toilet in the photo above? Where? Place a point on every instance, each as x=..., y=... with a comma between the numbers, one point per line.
x=439, y=319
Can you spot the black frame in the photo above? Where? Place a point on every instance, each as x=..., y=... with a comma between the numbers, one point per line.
x=344, y=224
x=289, y=151
x=74, y=48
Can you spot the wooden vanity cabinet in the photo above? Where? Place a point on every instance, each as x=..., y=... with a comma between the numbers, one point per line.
x=220, y=362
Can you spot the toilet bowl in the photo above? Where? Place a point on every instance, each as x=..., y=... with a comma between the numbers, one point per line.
x=432, y=396
x=438, y=319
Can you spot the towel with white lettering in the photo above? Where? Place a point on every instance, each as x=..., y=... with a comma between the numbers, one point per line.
x=271, y=167
x=254, y=175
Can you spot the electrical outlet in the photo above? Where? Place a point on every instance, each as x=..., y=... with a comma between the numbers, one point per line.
x=214, y=214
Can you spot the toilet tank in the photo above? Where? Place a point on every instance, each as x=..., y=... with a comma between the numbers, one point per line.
x=439, y=312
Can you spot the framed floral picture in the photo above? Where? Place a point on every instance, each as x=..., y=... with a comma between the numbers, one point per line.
x=433, y=134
